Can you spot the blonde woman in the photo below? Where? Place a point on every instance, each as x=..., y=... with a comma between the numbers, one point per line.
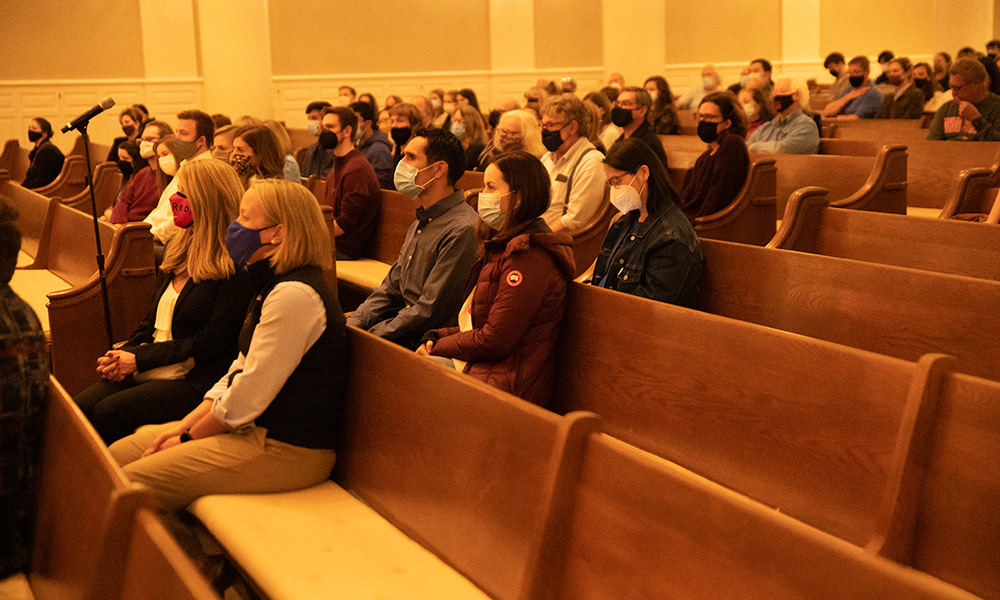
x=291, y=169
x=188, y=338
x=517, y=130
x=269, y=424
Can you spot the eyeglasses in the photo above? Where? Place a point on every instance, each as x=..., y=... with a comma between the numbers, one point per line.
x=708, y=118
x=554, y=126
x=509, y=132
x=619, y=180
x=627, y=105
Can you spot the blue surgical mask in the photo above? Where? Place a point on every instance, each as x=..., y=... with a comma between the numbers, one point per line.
x=490, y=212
x=404, y=178
x=314, y=127
x=242, y=242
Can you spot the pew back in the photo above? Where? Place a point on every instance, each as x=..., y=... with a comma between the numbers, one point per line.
x=14, y=160
x=71, y=180
x=107, y=184
x=750, y=218
x=395, y=216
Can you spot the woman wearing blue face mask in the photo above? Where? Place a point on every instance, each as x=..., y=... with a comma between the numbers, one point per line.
x=468, y=126
x=269, y=424
x=188, y=338
x=507, y=329
x=652, y=250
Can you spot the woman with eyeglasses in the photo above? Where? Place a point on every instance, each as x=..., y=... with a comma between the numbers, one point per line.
x=652, y=250
x=720, y=172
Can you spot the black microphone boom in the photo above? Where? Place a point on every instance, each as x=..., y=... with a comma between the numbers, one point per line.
x=90, y=114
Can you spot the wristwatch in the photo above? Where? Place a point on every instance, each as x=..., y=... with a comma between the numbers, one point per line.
x=186, y=436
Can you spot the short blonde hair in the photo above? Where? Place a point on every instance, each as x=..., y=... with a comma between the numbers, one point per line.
x=307, y=239
x=213, y=190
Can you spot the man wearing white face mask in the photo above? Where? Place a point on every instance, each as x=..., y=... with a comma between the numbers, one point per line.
x=710, y=82
x=652, y=251
x=423, y=289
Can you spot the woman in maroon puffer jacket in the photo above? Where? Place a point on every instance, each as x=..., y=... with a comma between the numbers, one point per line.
x=508, y=328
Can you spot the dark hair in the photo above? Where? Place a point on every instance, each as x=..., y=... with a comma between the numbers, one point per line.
x=345, y=116
x=347, y=87
x=204, y=126
x=10, y=241
x=931, y=85
x=663, y=94
x=443, y=145
x=317, y=105
x=133, y=113
x=611, y=92
x=371, y=100
x=45, y=126
x=221, y=120
x=766, y=110
x=992, y=72
x=527, y=176
x=266, y=147
x=833, y=58
x=903, y=62
x=862, y=61
x=993, y=44
x=601, y=101
x=366, y=110
x=730, y=108
x=629, y=155
x=494, y=119
x=885, y=56
x=138, y=162
x=470, y=95
x=947, y=57
x=764, y=63
x=642, y=97
x=142, y=107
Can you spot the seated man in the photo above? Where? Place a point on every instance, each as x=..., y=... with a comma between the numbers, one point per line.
x=374, y=144
x=575, y=166
x=630, y=112
x=791, y=131
x=423, y=289
x=316, y=160
x=837, y=66
x=974, y=113
x=352, y=190
x=862, y=100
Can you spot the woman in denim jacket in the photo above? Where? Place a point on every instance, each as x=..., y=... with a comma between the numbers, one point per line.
x=652, y=250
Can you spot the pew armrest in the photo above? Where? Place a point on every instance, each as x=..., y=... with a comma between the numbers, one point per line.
x=801, y=221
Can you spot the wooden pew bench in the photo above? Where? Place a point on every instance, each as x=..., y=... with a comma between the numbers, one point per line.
x=935, y=166
x=974, y=193
x=107, y=184
x=751, y=217
x=72, y=179
x=890, y=310
x=14, y=162
x=940, y=245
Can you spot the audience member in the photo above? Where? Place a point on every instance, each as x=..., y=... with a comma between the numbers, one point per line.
x=222, y=145
x=923, y=80
x=129, y=162
x=606, y=131
x=142, y=192
x=436, y=97
x=863, y=100
x=257, y=153
x=567, y=85
x=346, y=94
x=392, y=100
x=517, y=130
x=170, y=152
x=883, y=61
x=710, y=82
x=385, y=122
x=737, y=87
x=366, y=97
x=270, y=423
x=246, y=121
x=907, y=102
x=574, y=165
x=790, y=131
x=221, y=120
x=466, y=96
x=130, y=120
x=507, y=330
x=993, y=49
x=720, y=172
x=291, y=169
x=652, y=251
x=942, y=64
x=762, y=68
x=974, y=112
x=316, y=161
x=617, y=81
x=594, y=137
x=352, y=189
x=405, y=119
x=467, y=125
x=631, y=113
x=375, y=145
x=967, y=52
x=24, y=380
x=188, y=338
x=423, y=289
x=195, y=136
x=836, y=64
x=757, y=108
x=45, y=161
x=662, y=115
x=426, y=111
x=143, y=111
x=993, y=72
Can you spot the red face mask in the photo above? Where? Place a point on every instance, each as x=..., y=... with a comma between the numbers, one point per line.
x=182, y=210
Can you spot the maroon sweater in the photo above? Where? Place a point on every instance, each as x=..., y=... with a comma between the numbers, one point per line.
x=715, y=180
x=138, y=199
x=352, y=190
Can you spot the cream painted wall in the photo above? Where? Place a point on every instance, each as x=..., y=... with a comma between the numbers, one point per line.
x=168, y=35
x=634, y=38
x=567, y=38
x=719, y=31
x=236, y=68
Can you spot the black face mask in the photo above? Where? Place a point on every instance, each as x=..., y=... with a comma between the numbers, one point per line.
x=328, y=140
x=857, y=80
x=34, y=136
x=920, y=82
x=621, y=117
x=128, y=130
x=552, y=140
x=125, y=167
x=708, y=132
x=834, y=73
x=401, y=135
x=782, y=102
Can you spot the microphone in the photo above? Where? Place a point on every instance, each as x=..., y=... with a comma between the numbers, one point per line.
x=90, y=114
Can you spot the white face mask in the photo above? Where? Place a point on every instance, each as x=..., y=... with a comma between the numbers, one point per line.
x=654, y=95
x=146, y=149
x=490, y=212
x=708, y=82
x=625, y=198
x=750, y=110
x=168, y=165
x=314, y=127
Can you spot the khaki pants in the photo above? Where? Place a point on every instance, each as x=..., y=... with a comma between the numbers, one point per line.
x=230, y=463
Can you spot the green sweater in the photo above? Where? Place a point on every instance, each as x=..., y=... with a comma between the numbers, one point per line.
x=909, y=105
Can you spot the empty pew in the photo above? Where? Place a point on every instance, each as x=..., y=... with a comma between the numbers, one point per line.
x=940, y=245
x=71, y=180
x=935, y=166
x=13, y=162
x=902, y=131
x=750, y=218
x=107, y=184
x=974, y=192
x=84, y=503
x=98, y=152
x=890, y=310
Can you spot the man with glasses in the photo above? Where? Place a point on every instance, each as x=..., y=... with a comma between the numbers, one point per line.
x=974, y=112
x=575, y=166
x=630, y=112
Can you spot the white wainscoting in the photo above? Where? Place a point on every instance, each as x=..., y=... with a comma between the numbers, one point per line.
x=60, y=101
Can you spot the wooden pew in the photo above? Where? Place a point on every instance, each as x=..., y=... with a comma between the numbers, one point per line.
x=98, y=152
x=935, y=167
x=301, y=138
x=83, y=503
x=894, y=311
x=13, y=162
x=471, y=180
x=70, y=181
x=587, y=240
x=940, y=245
x=750, y=218
x=974, y=193
x=901, y=131
x=107, y=184
x=331, y=274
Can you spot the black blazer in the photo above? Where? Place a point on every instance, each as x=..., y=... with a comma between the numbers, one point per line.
x=206, y=325
x=46, y=163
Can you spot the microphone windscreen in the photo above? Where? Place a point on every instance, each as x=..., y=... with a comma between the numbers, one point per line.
x=107, y=103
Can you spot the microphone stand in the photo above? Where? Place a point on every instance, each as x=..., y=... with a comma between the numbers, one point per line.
x=101, y=275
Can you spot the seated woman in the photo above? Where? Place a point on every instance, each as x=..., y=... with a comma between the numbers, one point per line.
x=269, y=424
x=907, y=101
x=720, y=172
x=662, y=115
x=467, y=125
x=256, y=154
x=189, y=335
x=45, y=159
x=759, y=109
x=606, y=130
x=291, y=169
x=924, y=81
x=517, y=130
x=141, y=193
x=222, y=144
x=652, y=251
x=130, y=119
x=507, y=329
